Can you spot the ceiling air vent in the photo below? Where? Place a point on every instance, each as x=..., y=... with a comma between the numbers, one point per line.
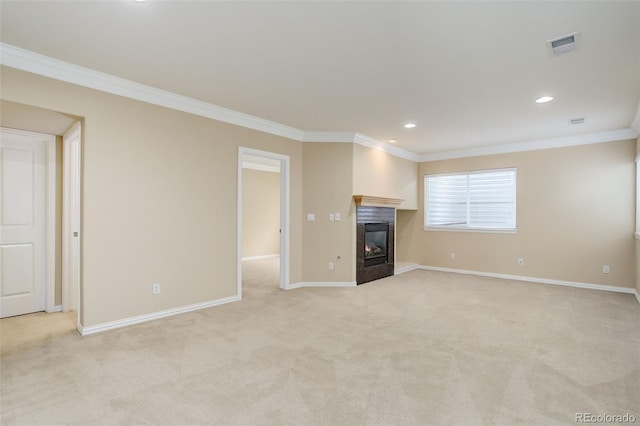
x=563, y=44
x=575, y=121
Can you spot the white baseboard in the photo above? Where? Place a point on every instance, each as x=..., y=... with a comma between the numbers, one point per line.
x=405, y=268
x=322, y=284
x=153, y=316
x=56, y=308
x=533, y=279
x=264, y=256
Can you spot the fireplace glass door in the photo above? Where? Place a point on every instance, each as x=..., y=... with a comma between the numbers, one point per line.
x=376, y=241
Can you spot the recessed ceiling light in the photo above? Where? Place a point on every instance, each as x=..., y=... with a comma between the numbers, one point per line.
x=393, y=140
x=409, y=126
x=544, y=99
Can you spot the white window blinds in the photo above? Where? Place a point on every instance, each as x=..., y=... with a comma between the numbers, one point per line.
x=482, y=200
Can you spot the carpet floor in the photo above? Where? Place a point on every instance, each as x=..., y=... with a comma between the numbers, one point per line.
x=420, y=348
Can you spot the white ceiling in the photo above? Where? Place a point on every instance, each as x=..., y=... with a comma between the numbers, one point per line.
x=466, y=73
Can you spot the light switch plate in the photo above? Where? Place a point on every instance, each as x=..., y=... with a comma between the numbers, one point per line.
x=337, y=217
x=331, y=217
x=311, y=217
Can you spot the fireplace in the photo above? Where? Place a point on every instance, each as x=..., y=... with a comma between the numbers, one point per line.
x=376, y=241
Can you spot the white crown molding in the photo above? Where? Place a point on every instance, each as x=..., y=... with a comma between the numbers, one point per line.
x=589, y=286
x=25, y=60
x=369, y=142
x=591, y=138
x=335, y=137
x=36, y=63
x=360, y=139
x=153, y=316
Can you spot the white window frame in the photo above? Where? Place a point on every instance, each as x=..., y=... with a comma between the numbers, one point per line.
x=466, y=228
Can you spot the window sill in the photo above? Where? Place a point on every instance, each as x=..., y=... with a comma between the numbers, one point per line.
x=468, y=229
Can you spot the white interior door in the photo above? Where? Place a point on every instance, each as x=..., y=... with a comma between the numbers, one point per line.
x=23, y=223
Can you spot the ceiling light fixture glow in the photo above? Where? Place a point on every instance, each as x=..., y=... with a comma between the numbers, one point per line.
x=544, y=99
x=409, y=126
x=393, y=140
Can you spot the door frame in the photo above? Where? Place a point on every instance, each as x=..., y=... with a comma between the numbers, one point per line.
x=50, y=225
x=285, y=171
x=71, y=213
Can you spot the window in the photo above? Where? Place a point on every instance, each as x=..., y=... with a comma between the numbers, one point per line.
x=482, y=200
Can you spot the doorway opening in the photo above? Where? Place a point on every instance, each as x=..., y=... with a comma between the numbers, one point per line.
x=44, y=268
x=263, y=218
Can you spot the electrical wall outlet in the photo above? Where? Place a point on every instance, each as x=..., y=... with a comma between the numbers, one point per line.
x=520, y=262
x=605, y=269
x=155, y=289
x=337, y=216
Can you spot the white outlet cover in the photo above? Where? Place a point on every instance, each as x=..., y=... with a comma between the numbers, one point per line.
x=311, y=217
x=331, y=217
x=337, y=216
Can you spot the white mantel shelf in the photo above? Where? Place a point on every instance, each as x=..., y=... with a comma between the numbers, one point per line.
x=367, y=200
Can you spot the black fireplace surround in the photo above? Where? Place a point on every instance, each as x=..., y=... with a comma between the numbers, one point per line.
x=375, y=243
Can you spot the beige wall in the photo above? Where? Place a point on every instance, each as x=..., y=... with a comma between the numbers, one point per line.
x=159, y=199
x=379, y=174
x=328, y=188
x=160, y=196
x=160, y=205
x=333, y=173
x=260, y=213
x=575, y=213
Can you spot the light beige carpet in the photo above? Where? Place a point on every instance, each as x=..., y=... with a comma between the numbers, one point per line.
x=418, y=348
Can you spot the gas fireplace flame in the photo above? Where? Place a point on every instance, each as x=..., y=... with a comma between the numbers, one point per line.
x=372, y=250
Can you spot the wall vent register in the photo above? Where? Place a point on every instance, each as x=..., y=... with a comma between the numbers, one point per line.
x=564, y=44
